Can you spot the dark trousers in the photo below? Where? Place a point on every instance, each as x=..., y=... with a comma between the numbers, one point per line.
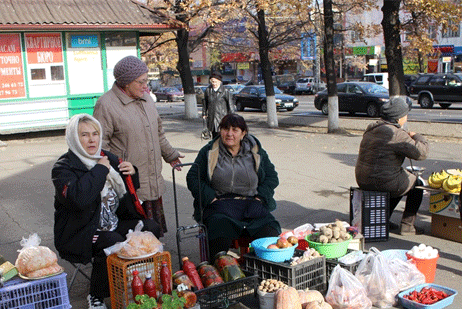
x=99, y=282
x=413, y=200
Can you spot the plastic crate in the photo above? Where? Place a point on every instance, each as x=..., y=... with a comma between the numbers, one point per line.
x=44, y=293
x=331, y=263
x=120, y=273
x=310, y=274
x=222, y=295
x=369, y=213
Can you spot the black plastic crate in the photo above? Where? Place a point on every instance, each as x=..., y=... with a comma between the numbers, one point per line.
x=369, y=213
x=310, y=274
x=222, y=295
x=331, y=263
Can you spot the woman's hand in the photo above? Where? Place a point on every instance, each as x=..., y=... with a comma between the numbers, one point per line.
x=176, y=162
x=104, y=161
x=126, y=168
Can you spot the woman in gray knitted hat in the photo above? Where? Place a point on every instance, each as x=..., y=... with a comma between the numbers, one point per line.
x=133, y=131
x=382, y=151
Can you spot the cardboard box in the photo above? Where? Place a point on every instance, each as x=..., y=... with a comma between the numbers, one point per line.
x=447, y=227
x=444, y=204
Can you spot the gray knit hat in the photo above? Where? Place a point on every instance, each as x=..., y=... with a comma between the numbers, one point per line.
x=395, y=109
x=128, y=69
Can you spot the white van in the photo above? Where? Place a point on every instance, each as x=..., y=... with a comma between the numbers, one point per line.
x=378, y=78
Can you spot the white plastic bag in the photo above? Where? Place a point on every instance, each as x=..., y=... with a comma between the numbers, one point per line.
x=137, y=244
x=406, y=273
x=376, y=276
x=346, y=291
x=36, y=261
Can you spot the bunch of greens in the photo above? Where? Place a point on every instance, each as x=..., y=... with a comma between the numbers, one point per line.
x=168, y=302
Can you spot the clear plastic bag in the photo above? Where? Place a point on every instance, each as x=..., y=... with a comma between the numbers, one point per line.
x=375, y=274
x=346, y=291
x=406, y=273
x=137, y=244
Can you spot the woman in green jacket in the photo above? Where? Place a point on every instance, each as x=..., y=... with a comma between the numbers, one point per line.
x=236, y=184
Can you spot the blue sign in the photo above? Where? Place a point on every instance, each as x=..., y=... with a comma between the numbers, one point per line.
x=308, y=46
x=80, y=41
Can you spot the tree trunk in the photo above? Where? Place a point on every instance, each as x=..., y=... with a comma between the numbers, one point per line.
x=190, y=104
x=266, y=70
x=332, y=125
x=393, y=51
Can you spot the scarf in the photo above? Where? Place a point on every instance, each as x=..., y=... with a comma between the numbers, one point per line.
x=113, y=178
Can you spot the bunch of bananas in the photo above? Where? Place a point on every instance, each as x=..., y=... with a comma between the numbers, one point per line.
x=448, y=182
x=435, y=180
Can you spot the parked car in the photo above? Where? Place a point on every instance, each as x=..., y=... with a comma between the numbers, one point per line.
x=285, y=83
x=308, y=85
x=378, y=78
x=200, y=93
x=441, y=88
x=169, y=94
x=254, y=96
x=355, y=97
x=234, y=88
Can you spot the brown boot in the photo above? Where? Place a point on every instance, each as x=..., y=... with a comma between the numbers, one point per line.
x=408, y=227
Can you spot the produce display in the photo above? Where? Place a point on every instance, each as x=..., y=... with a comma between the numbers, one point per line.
x=271, y=285
x=449, y=182
x=308, y=255
x=423, y=252
x=426, y=296
x=331, y=233
x=283, y=243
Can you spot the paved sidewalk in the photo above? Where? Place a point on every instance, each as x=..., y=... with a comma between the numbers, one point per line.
x=315, y=170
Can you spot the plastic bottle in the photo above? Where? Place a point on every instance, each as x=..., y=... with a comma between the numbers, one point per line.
x=190, y=269
x=137, y=285
x=166, y=279
x=150, y=287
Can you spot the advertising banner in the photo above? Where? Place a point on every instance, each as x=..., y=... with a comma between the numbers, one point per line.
x=11, y=67
x=44, y=48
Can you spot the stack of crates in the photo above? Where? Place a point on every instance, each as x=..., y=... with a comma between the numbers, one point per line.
x=46, y=293
x=120, y=273
x=369, y=212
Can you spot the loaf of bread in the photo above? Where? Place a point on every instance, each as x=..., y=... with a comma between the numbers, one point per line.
x=31, y=259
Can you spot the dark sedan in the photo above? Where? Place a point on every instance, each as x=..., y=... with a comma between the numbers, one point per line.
x=255, y=97
x=169, y=94
x=355, y=97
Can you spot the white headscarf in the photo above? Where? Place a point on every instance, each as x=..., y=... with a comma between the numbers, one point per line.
x=72, y=138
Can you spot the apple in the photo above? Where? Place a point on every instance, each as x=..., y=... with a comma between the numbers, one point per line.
x=283, y=243
x=272, y=246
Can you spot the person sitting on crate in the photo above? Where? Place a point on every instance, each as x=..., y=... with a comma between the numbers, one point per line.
x=93, y=207
x=385, y=145
x=236, y=185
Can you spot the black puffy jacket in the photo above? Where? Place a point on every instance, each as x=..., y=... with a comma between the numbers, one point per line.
x=78, y=203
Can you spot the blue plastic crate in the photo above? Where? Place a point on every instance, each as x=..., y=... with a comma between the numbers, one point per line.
x=406, y=303
x=48, y=293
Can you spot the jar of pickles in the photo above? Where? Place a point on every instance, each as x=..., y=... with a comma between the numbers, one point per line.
x=209, y=274
x=228, y=267
x=180, y=277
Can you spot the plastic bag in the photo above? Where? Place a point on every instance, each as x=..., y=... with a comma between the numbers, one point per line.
x=375, y=274
x=406, y=273
x=137, y=244
x=346, y=291
x=34, y=260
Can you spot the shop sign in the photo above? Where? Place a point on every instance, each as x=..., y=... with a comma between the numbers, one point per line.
x=308, y=46
x=44, y=48
x=11, y=67
x=446, y=59
x=81, y=41
x=243, y=66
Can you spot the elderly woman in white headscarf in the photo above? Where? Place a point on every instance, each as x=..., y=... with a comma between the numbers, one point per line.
x=93, y=206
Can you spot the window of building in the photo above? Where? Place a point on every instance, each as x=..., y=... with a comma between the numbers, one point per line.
x=453, y=31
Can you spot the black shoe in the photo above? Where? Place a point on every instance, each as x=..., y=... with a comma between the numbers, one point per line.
x=95, y=302
x=393, y=226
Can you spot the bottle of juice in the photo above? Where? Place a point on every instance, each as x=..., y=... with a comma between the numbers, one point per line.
x=137, y=285
x=150, y=287
x=190, y=269
x=166, y=279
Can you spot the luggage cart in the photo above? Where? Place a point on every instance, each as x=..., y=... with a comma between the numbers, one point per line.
x=197, y=230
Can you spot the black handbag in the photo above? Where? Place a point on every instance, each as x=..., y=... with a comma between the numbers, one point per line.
x=205, y=134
